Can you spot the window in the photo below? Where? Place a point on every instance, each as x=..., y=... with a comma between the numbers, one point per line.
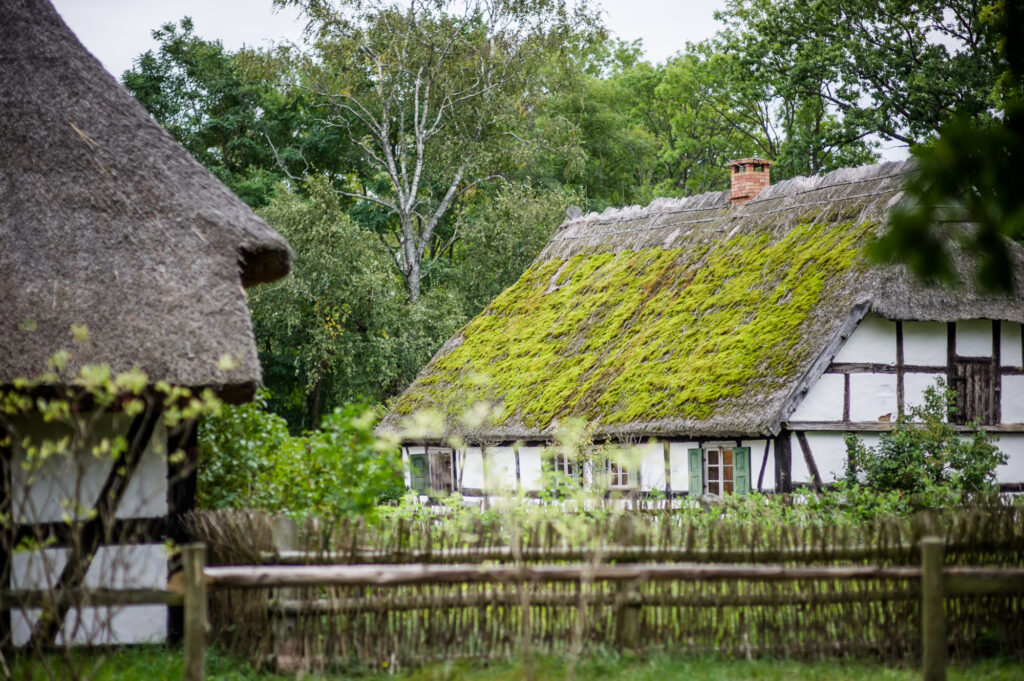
x=976, y=382
x=431, y=470
x=566, y=466
x=619, y=476
x=719, y=470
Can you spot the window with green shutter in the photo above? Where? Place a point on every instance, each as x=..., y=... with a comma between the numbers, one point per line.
x=696, y=472
x=418, y=473
x=741, y=469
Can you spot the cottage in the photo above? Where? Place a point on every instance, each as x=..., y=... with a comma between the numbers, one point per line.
x=734, y=337
x=109, y=227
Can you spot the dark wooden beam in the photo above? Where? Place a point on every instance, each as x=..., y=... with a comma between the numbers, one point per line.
x=764, y=464
x=783, y=463
x=900, y=370
x=872, y=368
x=7, y=543
x=812, y=466
x=182, y=486
x=886, y=426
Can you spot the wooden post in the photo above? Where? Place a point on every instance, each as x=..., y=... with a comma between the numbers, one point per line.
x=933, y=617
x=196, y=626
x=285, y=534
x=627, y=607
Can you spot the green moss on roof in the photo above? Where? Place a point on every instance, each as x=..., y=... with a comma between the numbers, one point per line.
x=642, y=336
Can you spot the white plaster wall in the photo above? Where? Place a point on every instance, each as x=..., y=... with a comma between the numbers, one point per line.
x=471, y=473
x=824, y=401
x=530, y=468
x=914, y=386
x=924, y=343
x=1009, y=345
x=872, y=396
x=1012, y=396
x=756, y=458
x=1011, y=444
x=500, y=469
x=874, y=340
x=679, y=465
x=829, y=452
x=114, y=567
x=652, y=466
x=66, y=482
x=974, y=338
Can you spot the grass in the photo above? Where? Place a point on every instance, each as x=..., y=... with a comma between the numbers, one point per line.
x=161, y=664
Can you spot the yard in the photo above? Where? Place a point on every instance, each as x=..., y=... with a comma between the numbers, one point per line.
x=160, y=664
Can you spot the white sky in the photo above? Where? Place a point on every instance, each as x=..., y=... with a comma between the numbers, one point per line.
x=118, y=31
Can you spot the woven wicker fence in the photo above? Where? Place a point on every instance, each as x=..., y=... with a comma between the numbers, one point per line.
x=528, y=606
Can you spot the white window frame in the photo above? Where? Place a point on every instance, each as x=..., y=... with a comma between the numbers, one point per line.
x=720, y=468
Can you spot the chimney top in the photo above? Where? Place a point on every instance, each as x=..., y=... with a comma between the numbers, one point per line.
x=750, y=176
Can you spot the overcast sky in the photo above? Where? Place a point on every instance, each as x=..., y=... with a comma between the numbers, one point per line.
x=117, y=31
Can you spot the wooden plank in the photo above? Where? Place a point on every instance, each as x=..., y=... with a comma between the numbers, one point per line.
x=258, y=577
x=551, y=598
x=196, y=623
x=872, y=368
x=34, y=598
x=812, y=466
x=884, y=426
x=933, y=616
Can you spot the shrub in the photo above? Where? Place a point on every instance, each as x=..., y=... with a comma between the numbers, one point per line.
x=926, y=458
x=249, y=460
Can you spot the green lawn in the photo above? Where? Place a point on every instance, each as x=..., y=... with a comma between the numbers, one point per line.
x=157, y=664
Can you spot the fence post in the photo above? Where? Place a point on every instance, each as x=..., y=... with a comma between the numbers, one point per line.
x=627, y=607
x=196, y=626
x=933, y=617
x=285, y=532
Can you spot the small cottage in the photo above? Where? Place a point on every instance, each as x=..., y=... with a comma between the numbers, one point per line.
x=118, y=247
x=733, y=337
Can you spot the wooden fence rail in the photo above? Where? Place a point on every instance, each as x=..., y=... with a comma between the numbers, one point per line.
x=931, y=582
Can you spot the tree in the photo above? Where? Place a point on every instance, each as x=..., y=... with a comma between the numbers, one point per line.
x=228, y=111
x=895, y=68
x=965, y=202
x=435, y=94
x=339, y=328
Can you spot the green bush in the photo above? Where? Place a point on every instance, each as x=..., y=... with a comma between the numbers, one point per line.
x=247, y=459
x=925, y=458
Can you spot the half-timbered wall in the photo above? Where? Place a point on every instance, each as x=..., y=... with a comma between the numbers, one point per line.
x=44, y=500
x=883, y=370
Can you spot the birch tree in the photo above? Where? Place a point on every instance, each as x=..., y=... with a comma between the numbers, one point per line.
x=438, y=97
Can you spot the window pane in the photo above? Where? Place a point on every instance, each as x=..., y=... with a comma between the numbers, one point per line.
x=712, y=457
x=727, y=457
x=713, y=488
x=713, y=473
x=728, y=485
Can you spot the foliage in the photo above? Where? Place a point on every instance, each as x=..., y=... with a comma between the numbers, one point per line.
x=248, y=460
x=591, y=325
x=158, y=663
x=433, y=96
x=339, y=328
x=895, y=68
x=969, y=173
x=226, y=110
x=925, y=457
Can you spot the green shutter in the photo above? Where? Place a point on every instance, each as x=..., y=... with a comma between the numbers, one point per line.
x=696, y=472
x=741, y=469
x=418, y=473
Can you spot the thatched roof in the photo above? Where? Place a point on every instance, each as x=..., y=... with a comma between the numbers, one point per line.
x=106, y=222
x=689, y=317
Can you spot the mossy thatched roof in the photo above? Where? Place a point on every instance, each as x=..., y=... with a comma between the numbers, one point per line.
x=688, y=317
x=107, y=223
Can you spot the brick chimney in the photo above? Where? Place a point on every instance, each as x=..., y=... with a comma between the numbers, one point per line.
x=749, y=177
